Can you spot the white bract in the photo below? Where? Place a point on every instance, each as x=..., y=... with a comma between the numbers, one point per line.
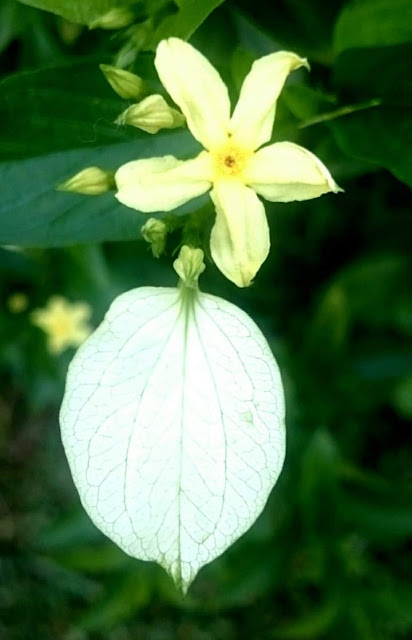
x=173, y=423
x=232, y=165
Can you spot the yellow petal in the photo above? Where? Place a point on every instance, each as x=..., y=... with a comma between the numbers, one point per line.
x=284, y=171
x=56, y=344
x=80, y=311
x=197, y=88
x=252, y=120
x=162, y=184
x=240, y=239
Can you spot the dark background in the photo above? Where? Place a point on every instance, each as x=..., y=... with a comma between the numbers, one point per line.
x=328, y=558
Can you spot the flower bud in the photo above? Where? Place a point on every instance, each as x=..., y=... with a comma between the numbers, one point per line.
x=189, y=265
x=155, y=232
x=127, y=85
x=17, y=302
x=151, y=114
x=92, y=181
x=116, y=18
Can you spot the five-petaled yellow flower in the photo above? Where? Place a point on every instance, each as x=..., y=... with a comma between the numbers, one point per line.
x=65, y=323
x=233, y=165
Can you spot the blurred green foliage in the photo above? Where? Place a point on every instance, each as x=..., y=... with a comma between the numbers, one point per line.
x=328, y=558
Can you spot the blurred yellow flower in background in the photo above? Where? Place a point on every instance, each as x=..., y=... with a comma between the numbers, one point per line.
x=64, y=322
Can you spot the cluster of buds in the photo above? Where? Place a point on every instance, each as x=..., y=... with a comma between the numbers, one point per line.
x=151, y=113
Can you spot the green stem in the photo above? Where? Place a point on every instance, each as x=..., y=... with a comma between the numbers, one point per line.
x=338, y=113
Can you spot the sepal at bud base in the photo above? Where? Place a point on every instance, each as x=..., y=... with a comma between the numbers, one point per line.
x=154, y=232
x=116, y=18
x=92, y=181
x=152, y=114
x=126, y=84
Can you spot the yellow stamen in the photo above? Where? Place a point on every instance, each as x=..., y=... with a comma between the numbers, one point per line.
x=230, y=162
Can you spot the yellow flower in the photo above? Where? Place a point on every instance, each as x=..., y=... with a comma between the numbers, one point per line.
x=65, y=323
x=232, y=165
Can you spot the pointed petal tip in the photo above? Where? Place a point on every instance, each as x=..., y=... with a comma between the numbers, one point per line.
x=333, y=186
x=244, y=281
x=296, y=61
x=305, y=63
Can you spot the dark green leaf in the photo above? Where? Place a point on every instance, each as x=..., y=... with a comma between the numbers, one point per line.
x=378, y=72
x=33, y=213
x=402, y=397
x=371, y=23
x=65, y=107
x=314, y=625
x=304, y=102
x=38, y=215
x=132, y=593
x=63, y=118
x=304, y=27
x=10, y=22
x=382, y=135
x=380, y=521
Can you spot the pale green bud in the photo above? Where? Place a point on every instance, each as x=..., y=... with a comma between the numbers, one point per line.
x=17, y=302
x=155, y=232
x=151, y=114
x=92, y=181
x=114, y=19
x=189, y=265
x=127, y=85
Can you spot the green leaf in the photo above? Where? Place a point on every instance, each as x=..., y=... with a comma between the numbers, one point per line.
x=304, y=27
x=305, y=102
x=189, y=17
x=318, y=487
x=379, y=521
x=79, y=11
x=131, y=592
x=402, y=397
x=378, y=72
x=54, y=123
x=314, y=625
x=382, y=135
x=370, y=23
x=62, y=107
x=10, y=22
x=33, y=213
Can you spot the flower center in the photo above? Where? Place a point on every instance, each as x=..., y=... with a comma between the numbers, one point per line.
x=62, y=325
x=230, y=161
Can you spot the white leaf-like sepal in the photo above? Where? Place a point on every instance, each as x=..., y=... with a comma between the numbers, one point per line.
x=173, y=425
